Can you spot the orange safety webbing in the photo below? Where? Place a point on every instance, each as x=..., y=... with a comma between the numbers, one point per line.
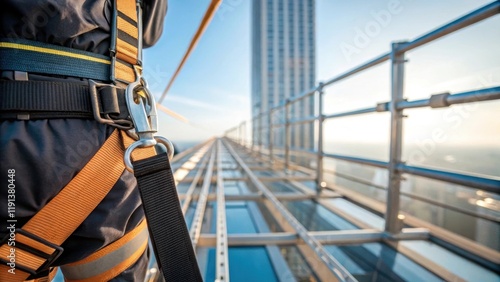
x=127, y=41
x=67, y=210
x=48, y=278
x=111, y=260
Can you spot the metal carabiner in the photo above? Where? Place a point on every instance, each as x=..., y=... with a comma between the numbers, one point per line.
x=142, y=109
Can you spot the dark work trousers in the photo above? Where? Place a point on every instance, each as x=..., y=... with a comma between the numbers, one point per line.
x=46, y=154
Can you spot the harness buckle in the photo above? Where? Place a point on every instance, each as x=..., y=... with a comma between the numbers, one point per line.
x=49, y=258
x=105, y=118
x=142, y=109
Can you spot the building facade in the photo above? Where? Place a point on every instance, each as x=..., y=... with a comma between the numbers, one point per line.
x=283, y=66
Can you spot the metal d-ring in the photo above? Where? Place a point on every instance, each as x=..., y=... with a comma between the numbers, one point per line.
x=143, y=143
x=168, y=144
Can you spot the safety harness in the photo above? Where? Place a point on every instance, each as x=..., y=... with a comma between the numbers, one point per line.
x=125, y=104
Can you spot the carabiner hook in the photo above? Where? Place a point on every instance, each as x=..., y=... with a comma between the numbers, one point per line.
x=142, y=109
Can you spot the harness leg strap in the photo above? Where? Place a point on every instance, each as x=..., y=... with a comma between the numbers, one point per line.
x=111, y=260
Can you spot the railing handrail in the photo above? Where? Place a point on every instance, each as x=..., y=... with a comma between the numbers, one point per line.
x=473, y=17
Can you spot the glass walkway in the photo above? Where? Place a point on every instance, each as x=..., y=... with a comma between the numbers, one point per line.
x=251, y=222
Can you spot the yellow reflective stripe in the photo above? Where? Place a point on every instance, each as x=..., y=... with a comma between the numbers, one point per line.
x=52, y=51
x=111, y=260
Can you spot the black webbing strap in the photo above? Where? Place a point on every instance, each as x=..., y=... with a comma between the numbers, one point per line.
x=167, y=228
x=46, y=99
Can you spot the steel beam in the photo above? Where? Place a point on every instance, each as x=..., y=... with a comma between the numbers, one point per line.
x=222, y=261
x=337, y=237
x=260, y=197
x=196, y=225
x=189, y=193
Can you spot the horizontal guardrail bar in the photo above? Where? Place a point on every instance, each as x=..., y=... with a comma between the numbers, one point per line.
x=365, y=66
x=417, y=197
x=303, y=151
x=488, y=217
x=467, y=20
x=303, y=120
x=302, y=96
x=294, y=100
x=485, y=94
x=358, y=160
x=487, y=184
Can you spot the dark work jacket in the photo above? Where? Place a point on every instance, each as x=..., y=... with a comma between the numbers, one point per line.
x=47, y=154
x=79, y=24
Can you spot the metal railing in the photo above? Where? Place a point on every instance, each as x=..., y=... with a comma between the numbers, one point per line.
x=396, y=106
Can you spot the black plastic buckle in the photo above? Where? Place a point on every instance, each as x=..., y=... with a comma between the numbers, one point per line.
x=49, y=258
x=114, y=112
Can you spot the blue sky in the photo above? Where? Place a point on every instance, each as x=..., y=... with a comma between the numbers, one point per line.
x=213, y=89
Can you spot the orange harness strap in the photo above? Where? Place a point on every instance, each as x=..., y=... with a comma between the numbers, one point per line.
x=111, y=260
x=126, y=40
x=38, y=241
x=48, y=278
x=53, y=224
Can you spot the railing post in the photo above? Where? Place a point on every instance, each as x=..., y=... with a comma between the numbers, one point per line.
x=270, y=128
x=287, y=135
x=321, y=118
x=260, y=133
x=392, y=220
x=255, y=132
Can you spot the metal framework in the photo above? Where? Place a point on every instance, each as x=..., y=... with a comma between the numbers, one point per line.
x=251, y=157
x=337, y=270
x=396, y=167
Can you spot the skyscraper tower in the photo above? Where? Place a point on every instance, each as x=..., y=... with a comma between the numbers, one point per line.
x=283, y=63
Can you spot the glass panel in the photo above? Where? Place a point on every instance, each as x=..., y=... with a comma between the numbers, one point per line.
x=231, y=173
x=209, y=221
x=451, y=261
x=315, y=217
x=250, y=264
x=356, y=177
x=236, y=188
x=206, y=261
x=281, y=187
x=297, y=264
x=310, y=184
x=367, y=217
x=190, y=214
x=379, y=262
x=470, y=199
x=264, y=173
x=239, y=219
x=182, y=187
